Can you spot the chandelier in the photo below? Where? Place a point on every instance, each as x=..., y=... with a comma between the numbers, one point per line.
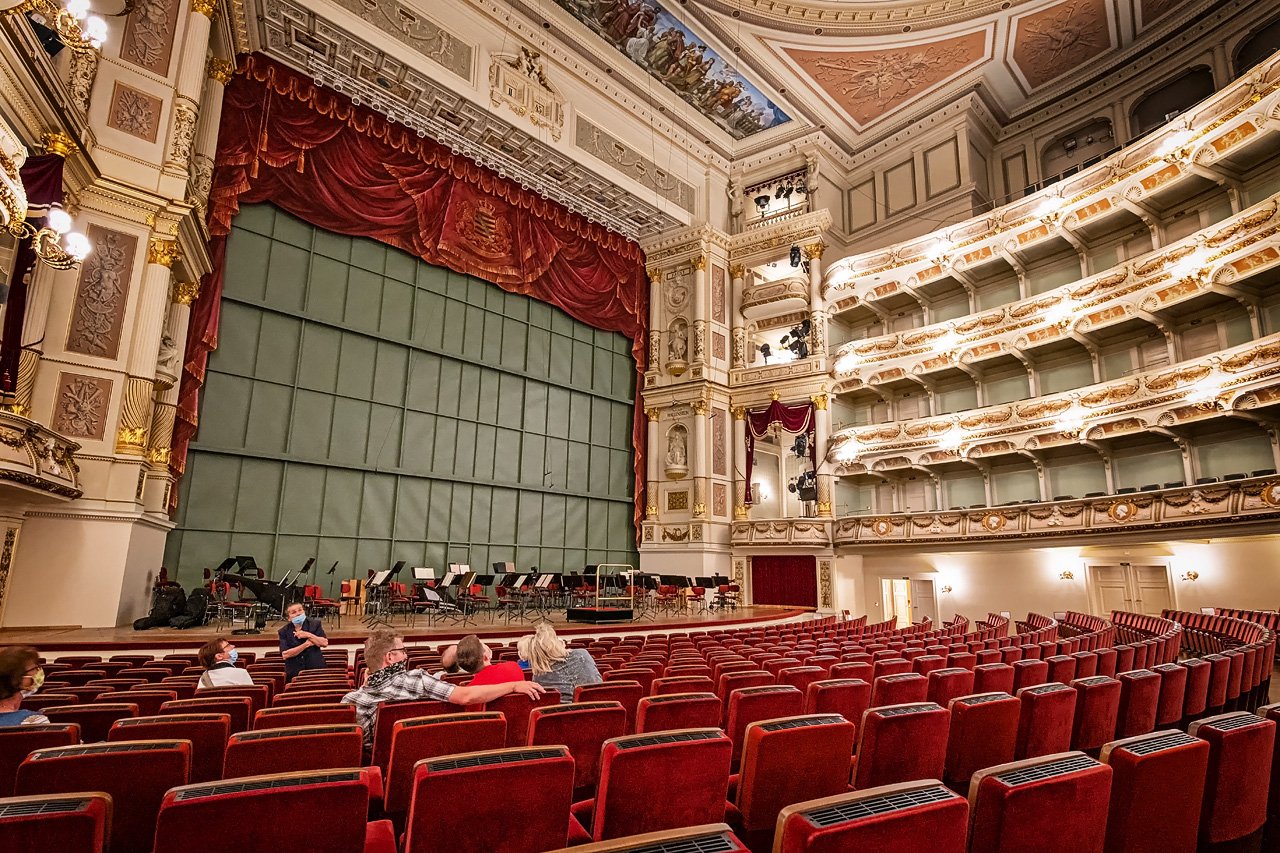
x=72, y=23
x=55, y=244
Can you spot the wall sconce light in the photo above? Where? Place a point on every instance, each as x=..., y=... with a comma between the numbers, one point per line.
x=1067, y=576
x=70, y=21
x=946, y=589
x=1190, y=576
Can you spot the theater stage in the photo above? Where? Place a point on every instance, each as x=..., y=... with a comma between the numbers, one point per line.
x=69, y=639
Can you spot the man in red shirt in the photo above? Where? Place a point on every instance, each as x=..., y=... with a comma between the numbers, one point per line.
x=474, y=657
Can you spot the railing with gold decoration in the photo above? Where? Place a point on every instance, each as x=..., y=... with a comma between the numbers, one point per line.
x=37, y=461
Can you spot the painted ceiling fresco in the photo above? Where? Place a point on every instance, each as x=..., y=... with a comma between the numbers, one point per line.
x=656, y=41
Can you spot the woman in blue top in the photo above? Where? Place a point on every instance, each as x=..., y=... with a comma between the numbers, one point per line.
x=20, y=675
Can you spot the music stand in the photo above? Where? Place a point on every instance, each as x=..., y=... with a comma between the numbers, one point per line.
x=377, y=585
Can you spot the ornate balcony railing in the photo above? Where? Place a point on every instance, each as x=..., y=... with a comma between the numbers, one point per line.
x=36, y=460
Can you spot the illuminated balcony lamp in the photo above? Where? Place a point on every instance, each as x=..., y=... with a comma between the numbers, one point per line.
x=1050, y=208
x=72, y=23
x=1071, y=424
x=55, y=244
x=1204, y=394
x=947, y=342
x=952, y=439
x=847, y=451
x=1060, y=312
x=846, y=362
x=1174, y=146
x=1192, y=266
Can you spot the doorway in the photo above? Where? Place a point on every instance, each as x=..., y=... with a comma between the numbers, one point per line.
x=906, y=600
x=1132, y=587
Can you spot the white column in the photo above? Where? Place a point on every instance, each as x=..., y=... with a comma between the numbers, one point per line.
x=35, y=321
x=206, y=144
x=655, y=320
x=817, y=305
x=699, y=342
x=169, y=376
x=822, y=437
x=653, y=440
x=739, y=457
x=700, y=458
x=188, y=86
x=737, y=274
x=144, y=346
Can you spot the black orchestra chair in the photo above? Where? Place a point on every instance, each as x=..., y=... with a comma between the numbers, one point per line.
x=269, y=812
x=909, y=816
x=65, y=823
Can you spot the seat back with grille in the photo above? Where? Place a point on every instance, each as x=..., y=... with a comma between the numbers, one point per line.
x=667, y=780
x=1097, y=704
x=286, y=750
x=678, y=711
x=416, y=738
x=901, y=743
x=1235, y=790
x=948, y=684
x=540, y=776
x=751, y=704
x=1050, y=804
x=711, y=838
x=328, y=807
x=385, y=719
x=134, y=773
x=94, y=719
x=899, y=689
x=791, y=760
x=983, y=733
x=583, y=727
x=207, y=732
x=1139, y=703
x=920, y=815
x=1161, y=773
x=17, y=742
x=1044, y=727
x=627, y=692
x=75, y=823
x=304, y=715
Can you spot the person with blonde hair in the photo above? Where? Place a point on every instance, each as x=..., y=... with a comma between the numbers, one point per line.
x=554, y=665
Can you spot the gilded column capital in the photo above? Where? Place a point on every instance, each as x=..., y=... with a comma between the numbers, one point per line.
x=162, y=252
x=700, y=262
x=700, y=407
x=739, y=413
x=655, y=275
x=653, y=414
x=221, y=70
x=208, y=8
x=59, y=143
x=186, y=292
x=775, y=396
x=737, y=271
x=813, y=251
x=819, y=402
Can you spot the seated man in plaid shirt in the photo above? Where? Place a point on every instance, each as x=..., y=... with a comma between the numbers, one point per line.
x=390, y=681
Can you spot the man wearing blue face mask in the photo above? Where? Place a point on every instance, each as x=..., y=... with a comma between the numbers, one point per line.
x=218, y=657
x=301, y=640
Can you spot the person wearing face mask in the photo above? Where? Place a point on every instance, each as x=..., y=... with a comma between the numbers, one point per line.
x=301, y=640
x=20, y=675
x=218, y=657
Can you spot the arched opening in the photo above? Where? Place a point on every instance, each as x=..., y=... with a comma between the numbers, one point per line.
x=1257, y=47
x=1175, y=96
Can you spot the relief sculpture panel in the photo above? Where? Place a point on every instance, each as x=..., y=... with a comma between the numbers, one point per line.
x=148, y=35
x=80, y=407
x=97, y=316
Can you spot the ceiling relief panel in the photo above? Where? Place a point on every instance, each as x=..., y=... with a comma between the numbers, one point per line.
x=868, y=85
x=1060, y=39
x=654, y=39
x=1151, y=10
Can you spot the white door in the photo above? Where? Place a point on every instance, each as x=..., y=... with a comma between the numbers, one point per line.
x=1133, y=588
x=922, y=601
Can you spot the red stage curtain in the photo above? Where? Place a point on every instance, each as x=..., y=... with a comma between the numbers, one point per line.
x=347, y=169
x=793, y=419
x=791, y=580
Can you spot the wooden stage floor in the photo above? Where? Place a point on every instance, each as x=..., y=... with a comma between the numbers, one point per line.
x=353, y=632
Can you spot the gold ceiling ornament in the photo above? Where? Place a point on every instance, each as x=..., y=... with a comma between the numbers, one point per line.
x=59, y=143
x=162, y=252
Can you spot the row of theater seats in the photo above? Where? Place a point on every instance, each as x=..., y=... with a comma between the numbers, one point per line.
x=1164, y=791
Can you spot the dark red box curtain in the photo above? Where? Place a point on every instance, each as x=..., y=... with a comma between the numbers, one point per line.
x=347, y=169
x=789, y=580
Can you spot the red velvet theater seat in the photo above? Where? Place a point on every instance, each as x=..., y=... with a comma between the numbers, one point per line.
x=1051, y=804
x=389, y=713
x=993, y=678
x=854, y=669
x=948, y=684
x=93, y=719
x=17, y=742
x=1156, y=792
x=651, y=782
x=751, y=704
x=678, y=711
x=1044, y=726
x=1235, y=791
x=304, y=715
x=983, y=733
x=1062, y=669
x=899, y=689
x=327, y=807
x=1139, y=702
x=628, y=693
x=416, y=738
x=134, y=773
x=848, y=697
x=516, y=707
x=910, y=817
x=682, y=684
x=583, y=727
x=1106, y=662
x=287, y=750
x=800, y=677
x=711, y=838
x=207, y=732
x=66, y=823
x=901, y=743
x=235, y=707
x=541, y=777
x=1173, y=693
x=1097, y=705
x=889, y=666
x=257, y=695
x=1086, y=665
x=1196, y=698
x=1029, y=673
x=787, y=761
x=926, y=664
